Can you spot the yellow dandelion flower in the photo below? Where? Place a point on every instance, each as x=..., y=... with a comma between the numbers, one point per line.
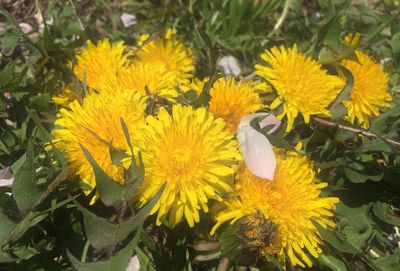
x=190, y=152
x=171, y=52
x=302, y=85
x=148, y=79
x=292, y=202
x=67, y=95
x=231, y=100
x=100, y=63
x=370, y=89
x=94, y=123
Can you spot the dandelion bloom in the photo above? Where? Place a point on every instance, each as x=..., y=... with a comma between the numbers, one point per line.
x=370, y=89
x=169, y=51
x=191, y=153
x=148, y=79
x=100, y=63
x=302, y=85
x=291, y=202
x=95, y=124
x=230, y=100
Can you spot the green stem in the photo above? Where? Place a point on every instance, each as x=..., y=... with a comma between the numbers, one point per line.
x=85, y=252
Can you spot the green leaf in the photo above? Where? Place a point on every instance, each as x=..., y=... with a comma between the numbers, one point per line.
x=6, y=258
x=111, y=193
x=116, y=155
x=357, y=176
x=378, y=125
x=337, y=241
x=24, y=188
x=357, y=223
x=8, y=43
x=328, y=32
x=73, y=28
x=134, y=176
x=7, y=73
x=6, y=226
x=389, y=262
x=377, y=30
x=332, y=36
x=117, y=262
x=144, y=260
x=139, y=218
x=385, y=213
x=332, y=262
x=102, y=233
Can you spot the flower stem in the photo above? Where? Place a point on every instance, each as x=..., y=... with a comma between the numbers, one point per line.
x=354, y=130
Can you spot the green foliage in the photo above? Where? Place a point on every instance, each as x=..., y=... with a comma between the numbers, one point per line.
x=46, y=223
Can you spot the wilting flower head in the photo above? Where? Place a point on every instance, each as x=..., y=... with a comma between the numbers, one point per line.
x=291, y=202
x=100, y=63
x=149, y=79
x=94, y=124
x=230, y=100
x=370, y=89
x=169, y=51
x=191, y=153
x=301, y=83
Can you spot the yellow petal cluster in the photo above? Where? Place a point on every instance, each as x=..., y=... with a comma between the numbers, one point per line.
x=95, y=124
x=99, y=64
x=370, y=90
x=231, y=100
x=292, y=202
x=302, y=85
x=148, y=79
x=190, y=152
x=169, y=51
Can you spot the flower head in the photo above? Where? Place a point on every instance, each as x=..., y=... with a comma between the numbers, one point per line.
x=95, y=124
x=230, y=100
x=100, y=63
x=370, y=89
x=292, y=202
x=169, y=51
x=301, y=83
x=148, y=79
x=191, y=153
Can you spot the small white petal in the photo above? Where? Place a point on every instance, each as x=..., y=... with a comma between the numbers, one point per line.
x=229, y=65
x=134, y=264
x=128, y=19
x=269, y=119
x=257, y=152
x=6, y=182
x=25, y=27
x=6, y=178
